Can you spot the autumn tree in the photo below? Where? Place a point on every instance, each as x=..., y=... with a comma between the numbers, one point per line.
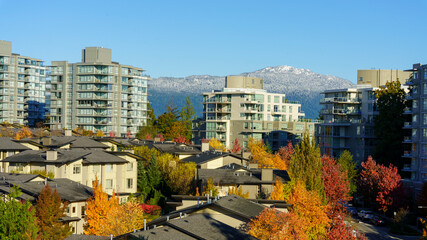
x=187, y=116
x=348, y=165
x=125, y=218
x=306, y=165
x=286, y=153
x=99, y=133
x=389, y=123
x=379, y=183
x=167, y=119
x=177, y=130
x=217, y=145
x=24, y=132
x=238, y=191
x=99, y=207
x=277, y=193
x=261, y=155
x=272, y=224
x=336, y=186
x=237, y=147
x=181, y=178
x=49, y=210
x=17, y=218
x=210, y=188
x=308, y=206
x=6, y=132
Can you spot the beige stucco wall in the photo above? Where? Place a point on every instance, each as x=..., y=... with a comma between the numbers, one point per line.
x=377, y=77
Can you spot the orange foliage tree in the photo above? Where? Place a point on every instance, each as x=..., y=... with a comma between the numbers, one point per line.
x=307, y=205
x=277, y=193
x=100, y=133
x=99, y=207
x=237, y=147
x=24, y=132
x=260, y=155
x=272, y=224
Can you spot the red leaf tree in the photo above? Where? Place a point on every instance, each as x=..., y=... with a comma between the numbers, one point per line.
x=286, y=153
x=336, y=186
x=237, y=147
x=380, y=183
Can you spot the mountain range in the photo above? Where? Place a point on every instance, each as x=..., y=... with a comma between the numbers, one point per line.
x=302, y=85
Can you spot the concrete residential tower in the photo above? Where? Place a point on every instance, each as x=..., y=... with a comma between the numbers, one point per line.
x=243, y=109
x=22, y=87
x=98, y=94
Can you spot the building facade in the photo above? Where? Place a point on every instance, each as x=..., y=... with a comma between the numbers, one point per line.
x=22, y=87
x=98, y=94
x=416, y=158
x=348, y=115
x=243, y=110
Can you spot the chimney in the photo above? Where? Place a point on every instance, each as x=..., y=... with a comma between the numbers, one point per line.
x=68, y=133
x=266, y=174
x=51, y=155
x=205, y=146
x=46, y=141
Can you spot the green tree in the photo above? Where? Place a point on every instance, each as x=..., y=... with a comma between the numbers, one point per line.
x=150, y=128
x=347, y=164
x=17, y=218
x=187, y=116
x=389, y=123
x=306, y=165
x=49, y=210
x=167, y=119
x=154, y=174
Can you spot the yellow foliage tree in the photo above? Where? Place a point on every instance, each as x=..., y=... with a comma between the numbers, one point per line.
x=210, y=188
x=307, y=205
x=99, y=207
x=277, y=193
x=125, y=219
x=99, y=133
x=272, y=224
x=24, y=132
x=217, y=145
x=260, y=155
x=181, y=178
x=238, y=191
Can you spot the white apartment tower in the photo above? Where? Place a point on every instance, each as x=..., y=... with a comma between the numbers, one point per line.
x=243, y=109
x=22, y=87
x=98, y=94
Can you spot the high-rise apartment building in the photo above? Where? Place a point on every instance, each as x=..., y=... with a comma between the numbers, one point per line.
x=243, y=109
x=98, y=94
x=416, y=158
x=22, y=87
x=348, y=115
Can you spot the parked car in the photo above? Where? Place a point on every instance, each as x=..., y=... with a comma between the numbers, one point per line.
x=378, y=221
x=365, y=215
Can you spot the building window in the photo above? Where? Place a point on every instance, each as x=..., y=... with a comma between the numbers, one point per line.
x=129, y=183
x=109, y=167
x=74, y=209
x=76, y=169
x=129, y=166
x=109, y=184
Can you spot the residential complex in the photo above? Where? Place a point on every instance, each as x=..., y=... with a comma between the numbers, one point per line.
x=98, y=94
x=22, y=87
x=348, y=115
x=416, y=158
x=243, y=110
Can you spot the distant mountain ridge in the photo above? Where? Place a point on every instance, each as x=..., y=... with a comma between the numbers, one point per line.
x=302, y=85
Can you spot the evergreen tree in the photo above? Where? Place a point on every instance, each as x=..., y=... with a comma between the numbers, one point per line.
x=154, y=174
x=306, y=165
x=389, y=123
x=142, y=180
x=17, y=218
x=49, y=209
x=347, y=164
x=150, y=128
x=187, y=116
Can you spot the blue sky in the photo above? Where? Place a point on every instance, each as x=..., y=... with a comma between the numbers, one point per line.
x=181, y=38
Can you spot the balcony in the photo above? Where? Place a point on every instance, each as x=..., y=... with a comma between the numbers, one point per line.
x=407, y=154
x=408, y=168
x=407, y=125
x=340, y=100
x=407, y=139
x=221, y=129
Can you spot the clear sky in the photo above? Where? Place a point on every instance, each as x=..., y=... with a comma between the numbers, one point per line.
x=181, y=38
